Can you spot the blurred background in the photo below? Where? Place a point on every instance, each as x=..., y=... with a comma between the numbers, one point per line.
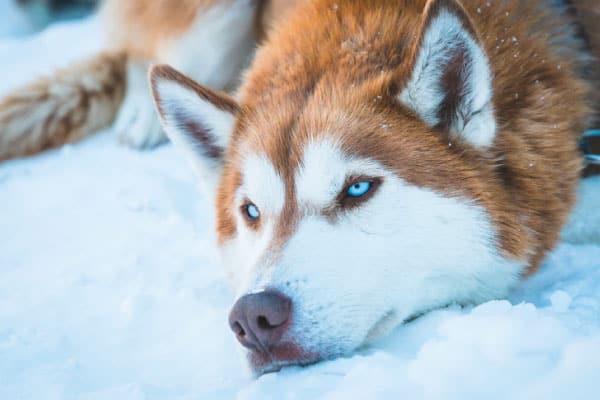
x=24, y=17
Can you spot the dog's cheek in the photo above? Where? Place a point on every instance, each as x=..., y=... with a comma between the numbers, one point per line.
x=246, y=257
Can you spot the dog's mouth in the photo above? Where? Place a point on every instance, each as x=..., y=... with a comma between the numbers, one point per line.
x=289, y=354
x=280, y=356
x=270, y=359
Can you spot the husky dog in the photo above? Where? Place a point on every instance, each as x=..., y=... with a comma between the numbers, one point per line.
x=380, y=158
x=383, y=159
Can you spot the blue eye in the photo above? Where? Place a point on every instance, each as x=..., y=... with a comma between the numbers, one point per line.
x=359, y=189
x=252, y=211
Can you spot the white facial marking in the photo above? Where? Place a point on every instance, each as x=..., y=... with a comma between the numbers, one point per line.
x=262, y=185
x=444, y=38
x=404, y=251
x=244, y=255
x=324, y=171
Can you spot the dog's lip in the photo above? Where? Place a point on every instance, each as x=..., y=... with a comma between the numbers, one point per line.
x=280, y=356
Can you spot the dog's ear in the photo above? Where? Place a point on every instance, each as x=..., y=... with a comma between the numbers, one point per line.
x=199, y=121
x=448, y=81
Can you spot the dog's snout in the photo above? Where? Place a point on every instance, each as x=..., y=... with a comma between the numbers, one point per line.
x=259, y=320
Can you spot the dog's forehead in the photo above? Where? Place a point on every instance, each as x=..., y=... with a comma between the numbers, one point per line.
x=325, y=169
x=316, y=178
x=321, y=172
x=262, y=183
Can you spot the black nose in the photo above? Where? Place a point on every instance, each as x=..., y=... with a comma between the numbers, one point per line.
x=259, y=319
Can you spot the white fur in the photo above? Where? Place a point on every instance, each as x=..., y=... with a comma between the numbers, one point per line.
x=262, y=185
x=405, y=251
x=324, y=171
x=175, y=99
x=136, y=123
x=243, y=256
x=217, y=46
x=424, y=94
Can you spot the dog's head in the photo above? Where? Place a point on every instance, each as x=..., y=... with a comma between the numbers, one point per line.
x=349, y=201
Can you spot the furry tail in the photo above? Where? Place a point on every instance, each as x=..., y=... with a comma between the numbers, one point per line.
x=70, y=105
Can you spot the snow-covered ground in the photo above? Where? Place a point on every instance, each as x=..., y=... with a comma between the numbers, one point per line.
x=109, y=290
x=13, y=22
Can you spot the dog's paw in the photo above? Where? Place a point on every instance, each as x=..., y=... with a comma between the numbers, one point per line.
x=137, y=124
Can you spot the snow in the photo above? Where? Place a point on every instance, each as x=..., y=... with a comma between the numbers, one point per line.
x=13, y=22
x=23, y=57
x=109, y=289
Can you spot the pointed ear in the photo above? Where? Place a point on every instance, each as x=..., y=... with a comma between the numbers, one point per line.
x=449, y=83
x=198, y=120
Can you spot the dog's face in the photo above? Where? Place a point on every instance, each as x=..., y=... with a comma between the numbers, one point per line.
x=341, y=216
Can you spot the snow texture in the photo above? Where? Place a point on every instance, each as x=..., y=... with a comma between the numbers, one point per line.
x=109, y=289
x=13, y=22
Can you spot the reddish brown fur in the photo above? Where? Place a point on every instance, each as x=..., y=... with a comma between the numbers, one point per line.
x=334, y=69
x=271, y=12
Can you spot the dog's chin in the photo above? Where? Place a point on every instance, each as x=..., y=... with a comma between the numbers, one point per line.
x=290, y=354
x=280, y=356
